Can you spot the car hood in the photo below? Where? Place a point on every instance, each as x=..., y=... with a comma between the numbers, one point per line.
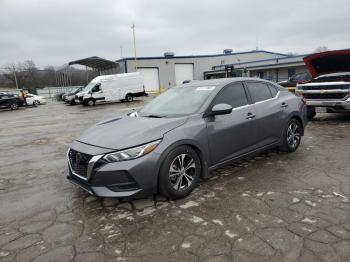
x=328, y=62
x=81, y=93
x=124, y=132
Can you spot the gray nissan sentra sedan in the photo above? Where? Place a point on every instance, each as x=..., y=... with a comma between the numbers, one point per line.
x=178, y=137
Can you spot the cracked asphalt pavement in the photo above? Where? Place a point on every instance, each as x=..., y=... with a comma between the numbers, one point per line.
x=274, y=207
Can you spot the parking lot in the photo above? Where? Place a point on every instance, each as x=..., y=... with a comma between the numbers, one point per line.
x=274, y=207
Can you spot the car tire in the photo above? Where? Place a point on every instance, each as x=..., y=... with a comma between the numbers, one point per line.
x=90, y=102
x=179, y=173
x=36, y=102
x=310, y=113
x=292, y=136
x=14, y=106
x=129, y=98
x=72, y=102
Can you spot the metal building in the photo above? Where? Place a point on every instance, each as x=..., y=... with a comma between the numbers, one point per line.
x=274, y=69
x=169, y=70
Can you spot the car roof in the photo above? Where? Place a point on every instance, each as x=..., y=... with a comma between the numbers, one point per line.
x=221, y=81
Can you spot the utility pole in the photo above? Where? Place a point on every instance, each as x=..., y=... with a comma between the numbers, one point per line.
x=134, y=41
x=14, y=74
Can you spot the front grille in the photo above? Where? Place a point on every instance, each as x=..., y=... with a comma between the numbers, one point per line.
x=79, y=162
x=330, y=87
x=325, y=96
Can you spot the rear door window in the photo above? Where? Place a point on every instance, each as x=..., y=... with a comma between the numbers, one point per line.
x=233, y=95
x=273, y=90
x=258, y=91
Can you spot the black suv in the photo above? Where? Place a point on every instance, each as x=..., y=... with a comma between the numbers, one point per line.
x=10, y=101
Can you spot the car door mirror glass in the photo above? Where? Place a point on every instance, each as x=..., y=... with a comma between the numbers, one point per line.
x=221, y=109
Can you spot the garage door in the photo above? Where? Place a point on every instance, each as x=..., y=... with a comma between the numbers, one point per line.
x=183, y=72
x=150, y=78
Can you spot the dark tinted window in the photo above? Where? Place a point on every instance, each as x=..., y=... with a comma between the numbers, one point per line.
x=273, y=90
x=259, y=91
x=233, y=95
x=96, y=88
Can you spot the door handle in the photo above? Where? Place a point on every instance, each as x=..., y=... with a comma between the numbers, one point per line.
x=284, y=105
x=250, y=116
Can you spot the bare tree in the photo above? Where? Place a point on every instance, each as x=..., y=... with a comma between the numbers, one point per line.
x=31, y=71
x=11, y=73
x=48, y=77
x=321, y=49
x=26, y=75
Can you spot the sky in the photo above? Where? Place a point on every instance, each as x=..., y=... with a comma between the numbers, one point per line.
x=54, y=32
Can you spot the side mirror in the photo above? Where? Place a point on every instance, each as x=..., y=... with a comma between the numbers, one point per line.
x=221, y=109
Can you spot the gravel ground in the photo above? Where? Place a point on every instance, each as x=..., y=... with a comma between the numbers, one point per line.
x=274, y=207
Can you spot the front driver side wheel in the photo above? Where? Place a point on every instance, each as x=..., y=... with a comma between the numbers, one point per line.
x=179, y=173
x=90, y=102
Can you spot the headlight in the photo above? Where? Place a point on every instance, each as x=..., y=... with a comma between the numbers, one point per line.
x=131, y=153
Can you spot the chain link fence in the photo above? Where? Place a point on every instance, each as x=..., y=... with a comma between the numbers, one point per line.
x=55, y=92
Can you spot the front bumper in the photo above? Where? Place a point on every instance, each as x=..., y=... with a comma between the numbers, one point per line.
x=137, y=177
x=345, y=105
x=341, y=103
x=100, y=191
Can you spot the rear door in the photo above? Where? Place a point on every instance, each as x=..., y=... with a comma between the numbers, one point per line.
x=271, y=111
x=231, y=135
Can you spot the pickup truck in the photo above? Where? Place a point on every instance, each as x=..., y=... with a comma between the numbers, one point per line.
x=330, y=86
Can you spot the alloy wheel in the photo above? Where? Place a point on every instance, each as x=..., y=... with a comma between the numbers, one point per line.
x=14, y=106
x=293, y=135
x=182, y=172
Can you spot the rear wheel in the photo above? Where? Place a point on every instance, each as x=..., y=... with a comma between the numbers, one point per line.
x=179, y=173
x=129, y=98
x=36, y=102
x=311, y=113
x=14, y=106
x=292, y=136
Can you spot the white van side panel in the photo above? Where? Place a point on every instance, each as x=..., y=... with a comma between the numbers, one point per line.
x=115, y=89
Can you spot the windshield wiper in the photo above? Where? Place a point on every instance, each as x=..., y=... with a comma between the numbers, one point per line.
x=154, y=116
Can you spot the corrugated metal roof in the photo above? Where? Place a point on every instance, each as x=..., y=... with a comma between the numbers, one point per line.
x=95, y=62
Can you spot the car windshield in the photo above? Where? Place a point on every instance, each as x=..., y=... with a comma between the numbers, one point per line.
x=178, y=101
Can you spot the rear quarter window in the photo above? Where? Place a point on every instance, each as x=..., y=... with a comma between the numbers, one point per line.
x=273, y=90
x=259, y=91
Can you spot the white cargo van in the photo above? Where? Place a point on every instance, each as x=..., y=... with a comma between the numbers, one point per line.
x=112, y=88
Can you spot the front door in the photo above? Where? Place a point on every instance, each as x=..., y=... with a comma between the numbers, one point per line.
x=231, y=135
x=97, y=93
